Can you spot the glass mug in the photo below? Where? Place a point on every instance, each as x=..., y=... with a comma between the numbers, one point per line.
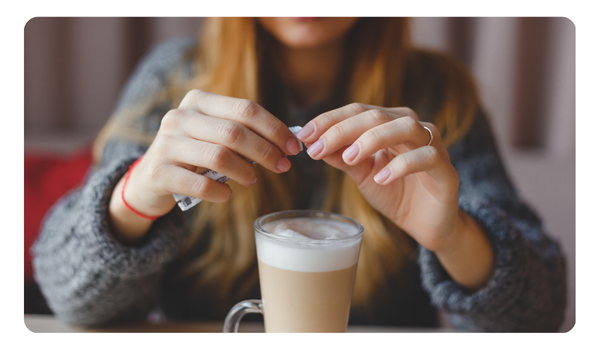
x=306, y=284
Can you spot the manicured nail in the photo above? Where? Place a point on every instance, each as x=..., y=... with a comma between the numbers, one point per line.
x=292, y=145
x=316, y=148
x=283, y=164
x=383, y=175
x=306, y=131
x=350, y=153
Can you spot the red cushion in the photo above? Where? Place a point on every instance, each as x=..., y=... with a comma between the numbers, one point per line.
x=47, y=178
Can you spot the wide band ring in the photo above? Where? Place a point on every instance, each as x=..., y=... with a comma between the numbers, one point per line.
x=430, y=135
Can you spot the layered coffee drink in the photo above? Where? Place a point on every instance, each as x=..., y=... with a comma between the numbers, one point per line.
x=307, y=267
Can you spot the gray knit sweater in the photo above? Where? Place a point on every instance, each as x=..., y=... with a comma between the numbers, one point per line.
x=89, y=278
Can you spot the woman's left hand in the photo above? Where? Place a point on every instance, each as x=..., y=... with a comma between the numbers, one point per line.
x=388, y=153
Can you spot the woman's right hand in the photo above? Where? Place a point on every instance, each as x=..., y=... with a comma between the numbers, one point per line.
x=205, y=131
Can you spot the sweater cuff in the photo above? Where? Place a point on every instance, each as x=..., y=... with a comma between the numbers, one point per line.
x=510, y=266
x=160, y=244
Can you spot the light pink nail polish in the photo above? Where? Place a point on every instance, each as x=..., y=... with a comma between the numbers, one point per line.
x=383, y=175
x=316, y=148
x=283, y=164
x=350, y=153
x=306, y=131
x=292, y=146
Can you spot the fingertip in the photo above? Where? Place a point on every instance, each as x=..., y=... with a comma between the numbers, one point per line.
x=229, y=192
x=306, y=132
x=293, y=146
x=283, y=164
x=382, y=176
x=316, y=148
x=222, y=195
x=251, y=183
x=350, y=154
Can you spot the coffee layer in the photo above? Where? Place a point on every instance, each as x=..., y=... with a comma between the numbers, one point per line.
x=306, y=301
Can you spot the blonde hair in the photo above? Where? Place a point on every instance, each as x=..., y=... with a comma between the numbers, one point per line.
x=383, y=70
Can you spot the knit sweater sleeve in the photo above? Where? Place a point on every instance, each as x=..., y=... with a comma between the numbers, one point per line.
x=86, y=275
x=527, y=291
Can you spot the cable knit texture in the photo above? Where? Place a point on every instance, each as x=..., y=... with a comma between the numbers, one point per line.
x=89, y=278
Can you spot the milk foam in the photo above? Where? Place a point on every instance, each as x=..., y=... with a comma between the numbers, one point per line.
x=303, y=255
x=303, y=228
x=283, y=231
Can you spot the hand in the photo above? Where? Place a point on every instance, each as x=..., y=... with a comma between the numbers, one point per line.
x=206, y=131
x=385, y=151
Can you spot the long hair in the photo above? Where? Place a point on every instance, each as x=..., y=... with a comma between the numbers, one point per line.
x=382, y=69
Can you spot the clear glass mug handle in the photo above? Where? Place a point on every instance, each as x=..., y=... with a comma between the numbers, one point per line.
x=232, y=321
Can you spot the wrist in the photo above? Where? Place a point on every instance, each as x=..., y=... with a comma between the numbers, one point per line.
x=455, y=234
x=128, y=226
x=139, y=199
x=467, y=254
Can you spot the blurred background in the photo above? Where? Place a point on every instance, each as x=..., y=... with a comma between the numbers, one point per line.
x=525, y=67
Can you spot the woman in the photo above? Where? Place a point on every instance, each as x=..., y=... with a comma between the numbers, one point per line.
x=406, y=150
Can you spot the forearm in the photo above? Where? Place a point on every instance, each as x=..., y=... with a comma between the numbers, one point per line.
x=526, y=290
x=86, y=275
x=467, y=256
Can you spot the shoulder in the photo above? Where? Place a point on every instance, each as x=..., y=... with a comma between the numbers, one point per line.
x=159, y=65
x=167, y=54
x=164, y=59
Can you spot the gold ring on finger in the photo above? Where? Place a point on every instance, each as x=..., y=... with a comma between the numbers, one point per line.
x=430, y=135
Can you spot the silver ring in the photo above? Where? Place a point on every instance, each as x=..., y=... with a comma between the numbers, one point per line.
x=430, y=135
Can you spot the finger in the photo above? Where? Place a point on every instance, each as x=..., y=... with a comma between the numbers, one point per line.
x=357, y=173
x=234, y=136
x=211, y=156
x=399, y=131
x=402, y=112
x=182, y=181
x=346, y=132
x=246, y=112
x=423, y=159
x=316, y=127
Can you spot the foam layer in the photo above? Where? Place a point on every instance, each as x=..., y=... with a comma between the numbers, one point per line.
x=313, y=250
x=303, y=228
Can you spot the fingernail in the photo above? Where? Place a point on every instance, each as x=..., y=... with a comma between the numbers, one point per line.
x=350, y=153
x=283, y=164
x=383, y=175
x=292, y=145
x=253, y=181
x=306, y=131
x=316, y=148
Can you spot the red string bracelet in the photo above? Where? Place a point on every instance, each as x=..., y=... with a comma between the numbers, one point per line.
x=123, y=192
